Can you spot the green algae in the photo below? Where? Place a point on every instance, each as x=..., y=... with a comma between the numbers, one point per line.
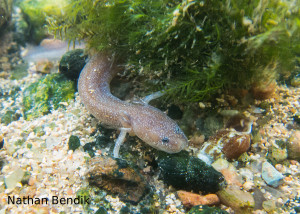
x=191, y=49
x=35, y=13
x=46, y=94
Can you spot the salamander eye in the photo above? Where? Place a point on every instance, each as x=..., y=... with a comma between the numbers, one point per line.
x=165, y=140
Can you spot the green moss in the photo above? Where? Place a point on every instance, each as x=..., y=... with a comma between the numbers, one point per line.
x=46, y=94
x=191, y=49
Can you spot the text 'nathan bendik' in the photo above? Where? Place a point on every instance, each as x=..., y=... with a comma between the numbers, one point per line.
x=53, y=200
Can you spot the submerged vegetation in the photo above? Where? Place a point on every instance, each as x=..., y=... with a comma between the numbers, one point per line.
x=191, y=49
x=47, y=94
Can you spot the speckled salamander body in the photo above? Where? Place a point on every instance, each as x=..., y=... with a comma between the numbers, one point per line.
x=148, y=123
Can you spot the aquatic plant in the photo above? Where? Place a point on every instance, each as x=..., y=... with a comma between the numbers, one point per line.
x=191, y=49
x=35, y=13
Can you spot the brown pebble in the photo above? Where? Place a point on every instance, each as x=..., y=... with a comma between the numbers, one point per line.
x=197, y=140
x=190, y=199
x=236, y=145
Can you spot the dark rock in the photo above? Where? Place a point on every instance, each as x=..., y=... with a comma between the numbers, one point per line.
x=189, y=173
x=26, y=178
x=117, y=177
x=72, y=63
x=101, y=210
x=1, y=142
x=174, y=112
x=204, y=209
x=296, y=118
x=100, y=143
x=74, y=142
x=297, y=209
x=125, y=210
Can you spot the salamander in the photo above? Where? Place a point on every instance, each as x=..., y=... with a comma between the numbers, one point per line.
x=145, y=121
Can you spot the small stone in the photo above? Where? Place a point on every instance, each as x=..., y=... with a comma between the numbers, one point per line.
x=44, y=66
x=201, y=105
x=294, y=146
x=248, y=185
x=14, y=178
x=189, y=199
x=279, y=154
x=229, y=113
x=240, y=201
x=229, y=172
x=72, y=63
x=74, y=142
x=235, y=145
x=26, y=178
x=270, y=175
x=269, y=205
x=197, y=139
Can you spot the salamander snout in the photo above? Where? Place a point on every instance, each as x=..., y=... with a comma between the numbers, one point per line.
x=173, y=143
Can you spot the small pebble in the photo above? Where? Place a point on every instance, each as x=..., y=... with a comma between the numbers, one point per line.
x=270, y=175
x=190, y=199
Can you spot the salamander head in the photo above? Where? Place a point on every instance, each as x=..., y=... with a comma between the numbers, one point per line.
x=159, y=131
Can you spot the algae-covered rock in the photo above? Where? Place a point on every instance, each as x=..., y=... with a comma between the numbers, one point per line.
x=72, y=63
x=74, y=142
x=117, y=177
x=189, y=173
x=46, y=94
x=240, y=201
x=9, y=116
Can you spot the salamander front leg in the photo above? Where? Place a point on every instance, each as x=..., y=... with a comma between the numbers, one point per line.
x=153, y=96
x=119, y=141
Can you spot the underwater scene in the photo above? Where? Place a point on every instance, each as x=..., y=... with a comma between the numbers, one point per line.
x=144, y=106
